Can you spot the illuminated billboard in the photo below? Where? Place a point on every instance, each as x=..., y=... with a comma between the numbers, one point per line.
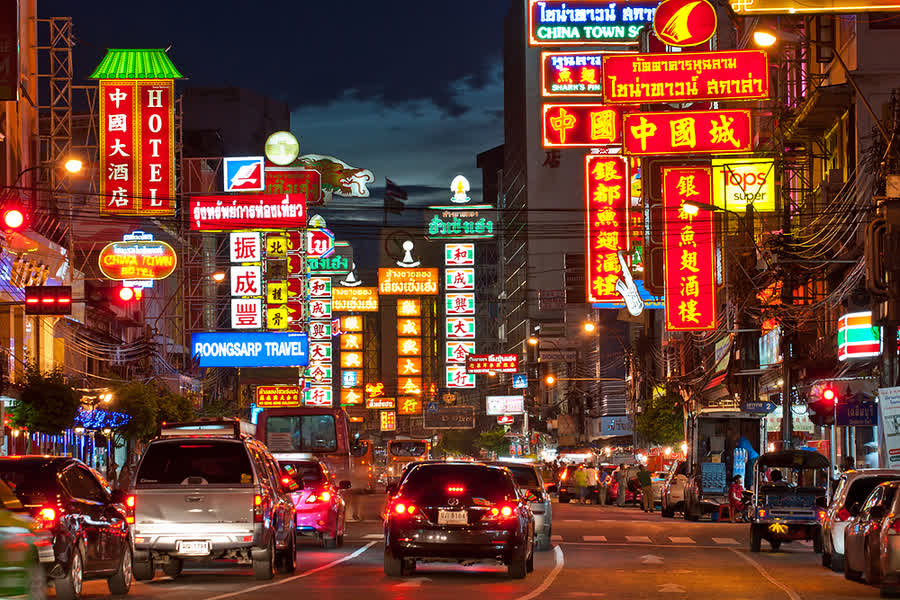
x=294, y=180
x=572, y=73
x=250, y=211
x=421, y=282
x=137, y=260
x=690, y=267
x=356, y=299
x=487, y=363
x=464, y=222
x=791, y=7
x=606, y=224
x=277, y=396
x=739, y=181
x=688, y=132
x=588, y=23
x=686, y=76
x=580, y=125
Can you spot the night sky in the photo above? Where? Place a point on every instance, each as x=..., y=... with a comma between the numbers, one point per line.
x=412, y=89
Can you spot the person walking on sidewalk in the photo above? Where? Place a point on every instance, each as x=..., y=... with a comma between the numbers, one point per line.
x=620, y=485
x=581, y=483
x=646, y=482
x=592, y=481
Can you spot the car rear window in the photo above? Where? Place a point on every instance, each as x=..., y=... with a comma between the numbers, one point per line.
x=31, y=482
x=861, y=487
x=428, y=484
x=524, y=477
x=309, y=472
x=196, y=462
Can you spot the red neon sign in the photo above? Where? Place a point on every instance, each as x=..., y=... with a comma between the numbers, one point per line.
x=688, y=132
x=686, y=76
x=690, y=277
x=581, y=125
x=572, y=73
x=486, y=363
x=606, y=197
x=250, y=211
x=684, y=23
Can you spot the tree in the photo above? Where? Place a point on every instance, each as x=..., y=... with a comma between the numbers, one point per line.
x=494, y=440
x=662, y=420
x=47, y=404
x=456, y=442
x=149, y=405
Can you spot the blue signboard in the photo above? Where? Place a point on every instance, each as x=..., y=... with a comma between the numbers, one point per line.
x=757, y=406
x=862, y=414
x=244, y=174
x=650, y=301
x=520, y=381
x=250, y=349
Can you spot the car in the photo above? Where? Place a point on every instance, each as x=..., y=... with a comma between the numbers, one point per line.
x=657, y=480
x=853, y=488
x=88, y=522
x=872, y=540
x=672, y=493
x=25, y=547
x=320, y=509
x=458, y=512
x=531, y=486
x=206, y=490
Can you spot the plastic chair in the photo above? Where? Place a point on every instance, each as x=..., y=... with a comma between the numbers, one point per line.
x=723, y=508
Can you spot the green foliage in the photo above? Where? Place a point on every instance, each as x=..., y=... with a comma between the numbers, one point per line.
x=48, y=404
x=494, y=440
x=456, y=442
x=149, y=405
x=662, y=420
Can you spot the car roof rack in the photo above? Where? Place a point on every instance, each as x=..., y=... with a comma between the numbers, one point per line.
x=219, y=428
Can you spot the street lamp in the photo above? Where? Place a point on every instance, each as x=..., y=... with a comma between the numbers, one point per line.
x=218, y=276
x=589, y=326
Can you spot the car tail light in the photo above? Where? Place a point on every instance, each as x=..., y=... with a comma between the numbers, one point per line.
x=821, y=515
x=323, y=497
x=564, y=474
x=455, y=489
x=400, y=509
x=762, y=513
x=130, y=504
x=45, y=518
x=894, y=528
x=844, y=515
x=500, y=512
x=258, y=509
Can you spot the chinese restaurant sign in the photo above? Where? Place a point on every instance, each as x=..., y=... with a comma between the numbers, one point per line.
x=785, y=7
x=294, y=180
x=498, y=363
x=606, y=224
x=388, y=420
x=137, y=260
x=686, y=76
x=738, y=181
x=580, y=125
x=357, y=299
x=477, y=221
x=573, y=73
x=688, y=132
x=256, y=211
x=419, y=282
x=690, y=276
x=277, y=396
x=682, y=23
x=587, y=22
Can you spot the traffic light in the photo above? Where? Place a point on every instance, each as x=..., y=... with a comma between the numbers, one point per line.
x=48, y=300
x=124, y=295
x=821, y=409
x=13, y=217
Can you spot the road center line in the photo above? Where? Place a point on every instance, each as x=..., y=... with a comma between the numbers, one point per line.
x=762, y=571
x=295, y=577
x=549, y=579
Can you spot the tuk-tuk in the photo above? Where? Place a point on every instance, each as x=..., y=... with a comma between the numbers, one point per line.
x=790, y=497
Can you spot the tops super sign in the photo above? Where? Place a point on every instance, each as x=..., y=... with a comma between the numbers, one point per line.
x=244, y=174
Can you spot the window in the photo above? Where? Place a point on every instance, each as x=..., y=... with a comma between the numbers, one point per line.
x=873, y=500
x=525, y=477
x=409, y=448
x=361, y=448
x=198, y=462
x=309, y=472
x=427, y=485
x=307, y=433
x=861, y=487
x=82, y=485
x=32, y=483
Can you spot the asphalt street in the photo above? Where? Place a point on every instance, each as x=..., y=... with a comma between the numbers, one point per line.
x=598, y=552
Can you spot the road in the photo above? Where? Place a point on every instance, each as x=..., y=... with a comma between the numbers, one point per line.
x=599, y=552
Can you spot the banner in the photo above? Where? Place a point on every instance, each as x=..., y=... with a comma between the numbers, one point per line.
x=258, y=349
x=688, y=132
x=581, y=125
x=606, y=224
x=889, y=414
x=256, y=211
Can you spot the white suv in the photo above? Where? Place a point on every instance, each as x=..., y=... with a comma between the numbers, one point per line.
x=672, y=495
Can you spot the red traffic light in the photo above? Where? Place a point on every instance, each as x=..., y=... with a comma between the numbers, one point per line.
x=13, y=218
x=126, y=294
x=829, y=395
x=48, y=300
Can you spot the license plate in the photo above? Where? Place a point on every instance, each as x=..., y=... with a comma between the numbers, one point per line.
x=453, y=517
x=193, y=548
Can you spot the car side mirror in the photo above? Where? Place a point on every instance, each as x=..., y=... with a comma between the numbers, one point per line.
x=877, y=513
x=344, y=485
x=118, y=497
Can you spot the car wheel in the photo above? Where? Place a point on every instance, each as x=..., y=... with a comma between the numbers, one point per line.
x=826, y=559
x=329, y=542
x=518, y=563
x=340, y=541
x=264, y=562
x=120, y=583
x=173, y=568
x=837, y=562
x=69, y=587
x=667, y=512
x=393, y=566
x=37, y=581
x=564, y=498
x=287, y=559
x=543, y=542
x=850, y=573
x=409, y=566
x=690, y=515
x=144, y=570
x=872, y=574
x=755, y=538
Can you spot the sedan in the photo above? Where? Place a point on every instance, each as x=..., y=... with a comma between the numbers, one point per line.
x=872, y=540
x=531, y=487
x=458, y=512
x=88, y=522
x=321, y=511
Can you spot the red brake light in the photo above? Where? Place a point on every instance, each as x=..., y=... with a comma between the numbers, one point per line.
x=285, y=481
x=46, y=518
x=844, y=515
x=399, y=508
x=821, y=515
x=565, y=474
x=257, y=500
x=500, y=512
x=325, y=496
x=129, y=501
x=455, y=489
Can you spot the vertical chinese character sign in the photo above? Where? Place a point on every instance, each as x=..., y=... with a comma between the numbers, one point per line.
x=137, y=132
x=606, y=199
x=409, y=347
x=690, y=275
x=459, y=309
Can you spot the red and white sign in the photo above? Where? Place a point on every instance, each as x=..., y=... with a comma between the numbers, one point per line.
x=459, y=255
x=318, y=396
x=319, y=243
x=246, y=281
x=246, y=313
x=460, y=279
x=688, y=132
x=319, y=308
x=606, y=198
x=581, y=125
x=320, y=287
x=251, y=211
x=245, y=247
x=505, y=420
x=294, y=180
x=690, y=266
x=683, y=23
x=498, y=363
x=137, y=146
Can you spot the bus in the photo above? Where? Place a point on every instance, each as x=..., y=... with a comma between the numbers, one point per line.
x=402, y=452
x=322, y=432
x=363, y=462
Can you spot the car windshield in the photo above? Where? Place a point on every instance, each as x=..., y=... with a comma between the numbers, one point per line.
x=196, y=462
x=408, y=448
x=31, y=482
x=301, y=433
x=861, y=487
x=428, y=485
x=524, y=476
x=307, y=471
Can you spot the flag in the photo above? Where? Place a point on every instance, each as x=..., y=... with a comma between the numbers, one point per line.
x=393, y=196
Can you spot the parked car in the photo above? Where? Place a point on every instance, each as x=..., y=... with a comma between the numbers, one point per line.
x=872, y=540
x=205, y=490
x=321, y=511
x=531, y=487
x=672, y=493
x=91, y=534
x=657, y=479
x=458, y=512
x=852, y=490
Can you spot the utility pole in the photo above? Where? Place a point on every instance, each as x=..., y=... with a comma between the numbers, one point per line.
x=787, y=299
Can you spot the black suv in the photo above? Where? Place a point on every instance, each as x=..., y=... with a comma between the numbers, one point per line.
x=88, y=521
x=458, y=512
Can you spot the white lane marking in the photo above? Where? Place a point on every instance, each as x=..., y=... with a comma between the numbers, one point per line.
x=651, y=559
x=788, y=591
x=682, y=540
x=549, y=579
x=295, y=577
x=725, y=541
x=373, y=536
x=555, y=538
x=594, y=538
x=643, y=539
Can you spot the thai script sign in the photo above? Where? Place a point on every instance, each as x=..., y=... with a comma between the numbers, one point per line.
x=790, y=7
x=278, y=396
x=211, y=213
x=486, y=363
x=420, y=282
x=294, y=180
x=686, y=76
x=357, y=299
x=379, y=403
x=587, y=22
x=580, y=125
x=338, y=263
x=688, y=132
x=572, y=73
x=477, y=221
x=606, y=224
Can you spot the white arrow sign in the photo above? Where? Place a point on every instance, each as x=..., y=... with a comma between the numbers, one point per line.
x=651, y=559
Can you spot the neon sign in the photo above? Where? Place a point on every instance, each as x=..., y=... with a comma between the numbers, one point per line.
x=785, y=7
x=138, y=259
x=738, y=181
x=356, y=299
x=686, y=76
x=682, y=23
x=498, y=363
x=587, y=22
x=277, y=396
x=688, y=132
x=256, y=211
x=407, y=281
x=606, y=202
x=572, y=73
x=580, y=125
x=690, y=269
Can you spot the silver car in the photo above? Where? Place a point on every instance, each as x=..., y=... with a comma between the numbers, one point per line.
x=852, y=490
x=872, y=540
x=531, y=487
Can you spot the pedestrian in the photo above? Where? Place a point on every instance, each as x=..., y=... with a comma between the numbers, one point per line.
x=603, y=486
x=736, y=498
x=112, y=471
x=124, y=481
x=646, y=484
x=620, y=485
x=592, y=481
x=580, y=483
